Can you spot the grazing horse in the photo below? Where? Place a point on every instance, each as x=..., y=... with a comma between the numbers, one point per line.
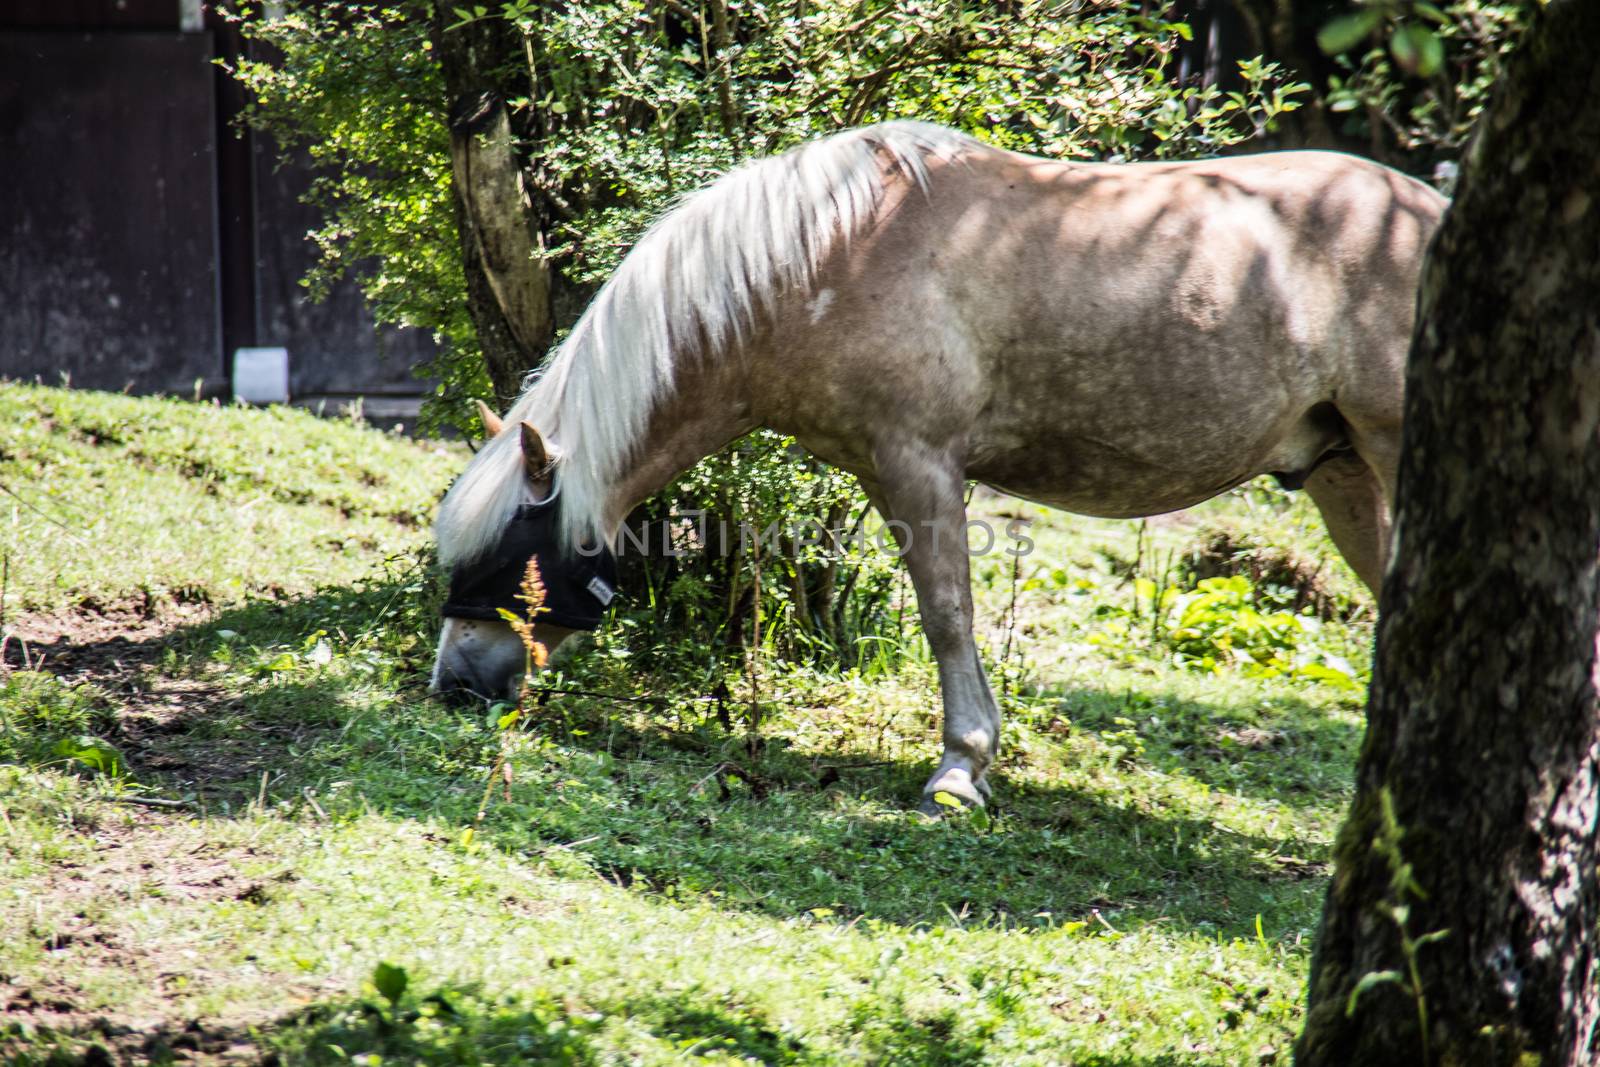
x=920, y=309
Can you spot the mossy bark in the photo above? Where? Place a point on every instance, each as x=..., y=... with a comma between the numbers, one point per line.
x=1483, y=725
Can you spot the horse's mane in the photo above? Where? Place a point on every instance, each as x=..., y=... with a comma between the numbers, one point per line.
x=694, y=286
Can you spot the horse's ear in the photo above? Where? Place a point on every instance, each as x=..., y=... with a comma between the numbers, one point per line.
x=491, y=421
x=534, y=454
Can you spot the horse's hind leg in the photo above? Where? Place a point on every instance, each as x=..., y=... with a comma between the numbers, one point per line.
x=922, y=491
x=1355, y=506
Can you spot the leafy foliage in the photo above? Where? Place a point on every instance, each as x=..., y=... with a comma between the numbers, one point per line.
x=1419, y=74
x=636, y=102
x=1220, y=624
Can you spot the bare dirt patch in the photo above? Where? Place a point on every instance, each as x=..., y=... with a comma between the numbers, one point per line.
x=96, y=640
x=40, y=1016
x=118, y=653
x=87, y=936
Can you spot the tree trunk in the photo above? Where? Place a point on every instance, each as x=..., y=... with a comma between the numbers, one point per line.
x=508, y=284
x=1461, y=925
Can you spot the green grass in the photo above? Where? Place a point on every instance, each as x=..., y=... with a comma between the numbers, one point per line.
x=120, y=502
x=657, y=888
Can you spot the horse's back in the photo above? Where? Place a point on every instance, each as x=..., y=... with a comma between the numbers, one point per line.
x=1116, y=338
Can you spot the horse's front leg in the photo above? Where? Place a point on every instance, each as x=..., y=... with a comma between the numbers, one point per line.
x=921, y=491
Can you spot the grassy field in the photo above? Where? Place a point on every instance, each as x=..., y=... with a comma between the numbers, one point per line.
x=232, y=823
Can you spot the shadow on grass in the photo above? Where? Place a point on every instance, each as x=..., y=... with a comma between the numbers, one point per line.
x=464, y=1025
x=1280, y=747
x=243, y=708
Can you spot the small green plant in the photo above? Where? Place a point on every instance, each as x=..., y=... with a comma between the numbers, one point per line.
x=94, y=753
x=45, y=720
x=1223, y=623
x=1124, y=745
x=1403, y=887
x=447, y=1026
x=390, y=982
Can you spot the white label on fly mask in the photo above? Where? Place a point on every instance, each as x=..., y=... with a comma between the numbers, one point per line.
x=602, y=592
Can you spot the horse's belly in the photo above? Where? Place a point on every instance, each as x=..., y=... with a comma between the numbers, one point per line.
x=1120, y=471
x=1088, y=481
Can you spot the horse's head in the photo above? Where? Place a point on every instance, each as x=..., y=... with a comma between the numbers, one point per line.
x=479, y=653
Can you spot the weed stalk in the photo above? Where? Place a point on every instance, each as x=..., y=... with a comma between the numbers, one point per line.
x=531, y=594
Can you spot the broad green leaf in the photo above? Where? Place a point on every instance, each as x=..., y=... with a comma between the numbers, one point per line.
x=96, y=754
x=1417, y=50
x=1432, y=50
x=1343, y=34
x=390, y=981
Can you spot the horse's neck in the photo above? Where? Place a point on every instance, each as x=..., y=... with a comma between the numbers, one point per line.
x=708, y=409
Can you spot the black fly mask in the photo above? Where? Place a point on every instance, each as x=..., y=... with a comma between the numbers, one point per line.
x=578, y=584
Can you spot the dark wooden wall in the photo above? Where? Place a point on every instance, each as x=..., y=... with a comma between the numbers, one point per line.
x=142, y=238
x=89, y=14
x=334, y=347
x=108, y=237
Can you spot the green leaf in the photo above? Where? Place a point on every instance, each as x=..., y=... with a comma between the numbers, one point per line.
x=1432, y=48
x=96, y=754
x=1431, y=939
x=1427, y=10
x=1343, y=34
x=947, y=800
x=1370, y=980
x=390, y=981
x=1417, y=50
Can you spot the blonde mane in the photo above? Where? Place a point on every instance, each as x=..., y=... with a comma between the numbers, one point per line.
x=707, y=269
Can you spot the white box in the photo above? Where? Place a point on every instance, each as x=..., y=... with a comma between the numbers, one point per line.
x=261, y=375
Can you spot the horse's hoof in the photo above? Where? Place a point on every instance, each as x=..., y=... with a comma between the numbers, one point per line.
x=953, y=790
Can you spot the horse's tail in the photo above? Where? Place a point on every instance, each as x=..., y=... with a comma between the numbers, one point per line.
x=694, y=286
